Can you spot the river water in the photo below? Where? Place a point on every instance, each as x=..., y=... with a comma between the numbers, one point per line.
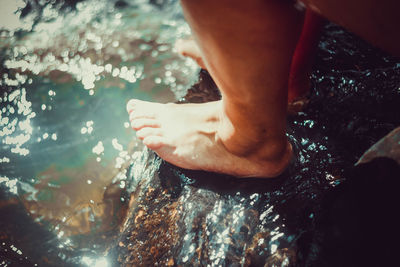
x=67, y=70
x=69, y=160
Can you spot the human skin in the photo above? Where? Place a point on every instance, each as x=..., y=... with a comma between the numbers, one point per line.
x=249, y=123
x=301, y=64
x=303, y=58
x=247, y=47
x=375, y=21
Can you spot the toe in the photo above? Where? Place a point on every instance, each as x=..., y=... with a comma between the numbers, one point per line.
x=147, y=132
x=134, y=104
x=141, y=113
x=138, y=124
x=130, y=106
x=154, y=142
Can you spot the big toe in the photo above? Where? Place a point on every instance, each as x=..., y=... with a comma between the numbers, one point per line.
x=142, y=109
x=131, y=105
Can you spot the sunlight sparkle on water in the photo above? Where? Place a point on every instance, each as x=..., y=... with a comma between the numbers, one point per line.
x=90, y=50
x=116, y=145
x=11, y=184
x=9, y=15
x=274, y=247
x=100, y=262
x=99, y=148
x=5, y=160
x=87, y=128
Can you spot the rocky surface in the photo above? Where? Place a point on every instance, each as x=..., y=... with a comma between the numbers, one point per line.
x=321, y=212
x=388, y=146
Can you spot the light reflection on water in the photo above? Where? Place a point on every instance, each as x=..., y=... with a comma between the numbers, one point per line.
x=65, y=139
x=96, y=262
x=66, y=144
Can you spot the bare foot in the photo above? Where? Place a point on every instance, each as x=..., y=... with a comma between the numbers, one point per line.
x=189, y=48
x=189, y=136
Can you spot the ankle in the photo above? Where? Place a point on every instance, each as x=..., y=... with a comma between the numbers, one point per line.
x=280, y=162
x=245, y=133
x=274, y=150
x=252, y=141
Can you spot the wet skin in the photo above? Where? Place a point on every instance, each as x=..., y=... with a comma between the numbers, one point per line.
x=249, y=54
x=301, y=63
x=192, y=136
x=244, y=133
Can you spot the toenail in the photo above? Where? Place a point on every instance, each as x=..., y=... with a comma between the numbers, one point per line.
x=130, y=105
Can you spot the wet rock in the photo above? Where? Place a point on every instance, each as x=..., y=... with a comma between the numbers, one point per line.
x=388, y=146
x=190, y=218
x=322, y=211
x=205, y=90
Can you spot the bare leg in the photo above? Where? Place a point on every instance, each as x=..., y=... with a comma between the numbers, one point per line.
x=303, y=60
x=247, y=47
x=301, y=64
x=303, y=57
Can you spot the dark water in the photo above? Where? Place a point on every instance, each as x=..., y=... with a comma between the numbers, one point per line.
x=69, y=164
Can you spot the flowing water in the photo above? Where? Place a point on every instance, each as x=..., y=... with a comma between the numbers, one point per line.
x=70, y=164
x=67, y=70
